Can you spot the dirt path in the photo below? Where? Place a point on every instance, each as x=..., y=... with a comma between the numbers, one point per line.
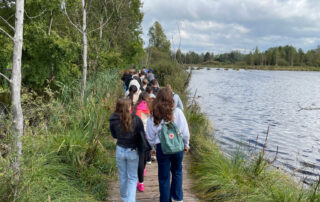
x=151, y=186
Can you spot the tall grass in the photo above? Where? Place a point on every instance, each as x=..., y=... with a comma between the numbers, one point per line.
x=69, y=155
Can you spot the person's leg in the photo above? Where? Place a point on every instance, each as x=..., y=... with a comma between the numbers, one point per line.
x=176, y=191
x=163, y=175
x=132, y=167
x=141, y=167
x=124, y=87
x=149, y=156
x=122, y=171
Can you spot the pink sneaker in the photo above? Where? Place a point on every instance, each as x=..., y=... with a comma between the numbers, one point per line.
x=144, y=172
x=141, y=187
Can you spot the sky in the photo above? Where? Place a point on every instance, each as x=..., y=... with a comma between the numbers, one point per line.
x=224, y=25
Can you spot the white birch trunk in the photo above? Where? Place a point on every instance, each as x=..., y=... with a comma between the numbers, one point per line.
x=15, y=93
x=85, y=48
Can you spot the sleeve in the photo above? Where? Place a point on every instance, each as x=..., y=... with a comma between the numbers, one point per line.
x=180, y=104
x=151, y=133
x=140, y=125
x=113, y=130
x=184, y=128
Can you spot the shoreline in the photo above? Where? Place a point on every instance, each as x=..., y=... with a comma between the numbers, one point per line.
x=249, y=67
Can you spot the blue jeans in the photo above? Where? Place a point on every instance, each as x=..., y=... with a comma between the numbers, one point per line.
x=124, y=87
x=127, y=162
x=167, y=162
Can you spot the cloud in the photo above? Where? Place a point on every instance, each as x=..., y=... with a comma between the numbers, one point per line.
x=225, y=25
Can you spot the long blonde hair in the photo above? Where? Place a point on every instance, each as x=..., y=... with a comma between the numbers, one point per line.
x=123, y=110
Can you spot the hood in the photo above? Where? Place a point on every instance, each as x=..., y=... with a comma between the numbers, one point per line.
x=143, y=106
x=114, y=117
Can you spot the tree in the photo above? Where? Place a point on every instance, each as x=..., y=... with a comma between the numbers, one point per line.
x=83, y=30
x=15, y=83
x=300, y=56
x=206, y=57
x=157, y=38
x=179, y=56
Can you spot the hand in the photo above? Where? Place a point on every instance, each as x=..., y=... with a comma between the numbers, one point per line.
x=153, y=152
x=186, y=150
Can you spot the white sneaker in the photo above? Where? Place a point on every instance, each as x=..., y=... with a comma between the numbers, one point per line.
x=149, y=162
x=153, y=158
x=176, y=201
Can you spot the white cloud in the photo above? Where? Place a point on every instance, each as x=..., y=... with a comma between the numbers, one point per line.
x=225, y=25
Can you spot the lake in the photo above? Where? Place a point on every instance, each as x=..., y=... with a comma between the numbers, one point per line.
x=242, y=104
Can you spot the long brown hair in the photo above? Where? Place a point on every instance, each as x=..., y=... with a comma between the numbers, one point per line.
x=163, y=106
x=123, y=110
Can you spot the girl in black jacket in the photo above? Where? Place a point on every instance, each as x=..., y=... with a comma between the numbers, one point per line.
x=128, y=129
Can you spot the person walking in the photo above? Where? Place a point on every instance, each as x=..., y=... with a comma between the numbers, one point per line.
x=149, y=90
x=150, y=75
x=126, y=78
x=163, y=111
x=142, y=111
x=177, y=101
x=155, y=86
x=144, y=84
x=133, y=95
x=126, y=128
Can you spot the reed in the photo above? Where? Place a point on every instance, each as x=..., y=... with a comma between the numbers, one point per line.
x=68, y=153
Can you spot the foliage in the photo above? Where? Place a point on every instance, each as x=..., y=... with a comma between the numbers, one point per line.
x=157, y=38
x=52, y=45
x=68, y=153
x=276, y=56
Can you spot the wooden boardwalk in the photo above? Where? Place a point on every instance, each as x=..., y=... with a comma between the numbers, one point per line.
x=151, y=186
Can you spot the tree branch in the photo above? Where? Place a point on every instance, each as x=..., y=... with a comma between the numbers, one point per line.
x=4, y=76
x=107, y=20
x=32, y=17
x=6, y=33
x=66, y=13
x=4, y=20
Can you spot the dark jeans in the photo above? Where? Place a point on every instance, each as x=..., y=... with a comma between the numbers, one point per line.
x=149, y=156
x=167, y=163
x=141, y=166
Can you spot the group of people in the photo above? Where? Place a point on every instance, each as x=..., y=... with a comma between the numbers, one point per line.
x=136, y=124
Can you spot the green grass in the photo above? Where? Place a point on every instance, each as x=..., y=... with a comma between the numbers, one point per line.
x=68, y=154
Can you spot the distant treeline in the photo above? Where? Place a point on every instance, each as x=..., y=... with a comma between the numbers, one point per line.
x=276, y=56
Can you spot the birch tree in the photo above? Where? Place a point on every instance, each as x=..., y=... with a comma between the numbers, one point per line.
x=83, y=30
x=85, y=48
x=15, y=84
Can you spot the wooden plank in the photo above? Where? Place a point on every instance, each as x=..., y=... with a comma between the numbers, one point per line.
x=151, y=193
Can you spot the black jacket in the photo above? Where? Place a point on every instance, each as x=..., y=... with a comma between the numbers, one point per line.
x=134, y=139
x=126, y=78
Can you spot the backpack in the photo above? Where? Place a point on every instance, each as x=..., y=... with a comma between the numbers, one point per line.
x=171, y=138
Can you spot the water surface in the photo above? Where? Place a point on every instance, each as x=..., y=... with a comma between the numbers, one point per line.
x=242, y=104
